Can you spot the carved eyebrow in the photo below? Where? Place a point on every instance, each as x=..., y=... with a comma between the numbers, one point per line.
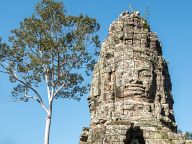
x=144, y=69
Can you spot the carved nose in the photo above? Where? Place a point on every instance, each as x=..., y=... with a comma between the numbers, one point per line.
x=135, y=80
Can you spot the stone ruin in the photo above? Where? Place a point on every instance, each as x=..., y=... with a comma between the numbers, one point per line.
x=130, y=97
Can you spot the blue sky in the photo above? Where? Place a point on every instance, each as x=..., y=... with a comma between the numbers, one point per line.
x=22, y=123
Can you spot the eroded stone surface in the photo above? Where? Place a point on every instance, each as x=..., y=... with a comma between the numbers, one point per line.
x=130, y=98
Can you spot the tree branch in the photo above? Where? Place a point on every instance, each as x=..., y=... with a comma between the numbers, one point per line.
x=39, y=101
x=38, y=95
x=14, y=74
x=47, y=85
x=4, y=72
x=52, y=76
x=62, y=86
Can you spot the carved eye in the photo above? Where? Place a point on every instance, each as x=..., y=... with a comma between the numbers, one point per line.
x=145, y=73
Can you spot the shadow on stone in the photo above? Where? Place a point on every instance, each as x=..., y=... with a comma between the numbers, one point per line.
x=134, y=135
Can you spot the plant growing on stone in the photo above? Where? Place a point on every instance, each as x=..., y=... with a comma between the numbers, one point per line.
x=188, y=135
x=50, y=48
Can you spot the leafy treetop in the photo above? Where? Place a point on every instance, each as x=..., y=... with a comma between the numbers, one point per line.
x=50, y=47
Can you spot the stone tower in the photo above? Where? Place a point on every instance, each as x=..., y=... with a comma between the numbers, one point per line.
x=130, y=98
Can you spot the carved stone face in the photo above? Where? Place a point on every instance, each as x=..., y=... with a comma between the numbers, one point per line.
x=137, y=78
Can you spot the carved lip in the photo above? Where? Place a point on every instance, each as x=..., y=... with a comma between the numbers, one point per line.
x=134, y=87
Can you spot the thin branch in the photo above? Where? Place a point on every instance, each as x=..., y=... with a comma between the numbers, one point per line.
x=38, y=98
x=38, y=95
x=4, y=72
x=14, y=74
x=39, y=101
x=10, y=68
x=52, y=77
x=2, y=66
x=62, y=86
x=73, y=66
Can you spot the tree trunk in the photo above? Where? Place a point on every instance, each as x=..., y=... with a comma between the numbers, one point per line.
x=48, y=124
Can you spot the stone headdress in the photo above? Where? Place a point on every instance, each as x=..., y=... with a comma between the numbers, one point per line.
x=130, y=37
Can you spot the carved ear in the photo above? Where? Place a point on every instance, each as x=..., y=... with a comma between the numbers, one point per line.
x=154, y=83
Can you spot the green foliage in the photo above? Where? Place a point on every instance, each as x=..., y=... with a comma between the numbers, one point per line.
x=188, y=135
x=51, y=47
x=145, y=24
x=4, y=51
